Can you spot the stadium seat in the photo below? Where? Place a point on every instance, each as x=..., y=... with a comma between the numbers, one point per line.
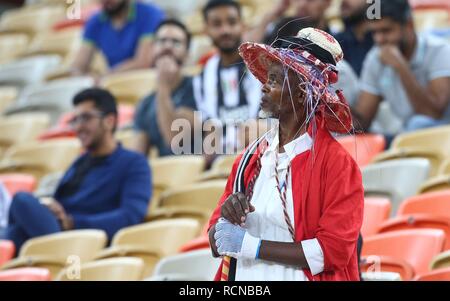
x=18, y=182
x=31, y=20
x=416, y=247
x=21, y=128
x=220, y=168
x=130, y=87
x=191, y=266
x=418, y=221
x=396, y=179
x=376, y=266
x=376, y=210
x=440, y=261
x=174, y=171
x=63, y=43
x=437, y=275
x=12, y=46
x=201, y=242
x=152, y=241
x=53, y=97
x=40, y=158
x=25, y=274
x=28, y=71
x=439, y=182
x=7, y=250
x=111, y=269
x=196, y=200
x=363, y=148
x=432, y=144
x=435, y=203
x=54, y=251
x=8, y=95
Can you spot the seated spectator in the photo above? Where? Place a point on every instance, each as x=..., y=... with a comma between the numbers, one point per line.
x=106, y=188
x=225, y=91
x=122, y=32
x=174, y=96
x=356, y=39
x=408, y=70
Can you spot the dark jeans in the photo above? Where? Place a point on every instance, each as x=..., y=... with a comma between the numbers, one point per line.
x=28, y=219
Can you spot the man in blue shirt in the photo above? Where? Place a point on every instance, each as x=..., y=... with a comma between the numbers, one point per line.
x=122, y=31
x=106, y=188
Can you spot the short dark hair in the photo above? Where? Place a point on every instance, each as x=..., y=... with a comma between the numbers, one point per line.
x=398, y=10
x=217, y=3
x=103, y=100
x=179, y=24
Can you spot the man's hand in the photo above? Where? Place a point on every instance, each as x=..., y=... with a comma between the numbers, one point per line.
x=391, y=56
x=235, y=241
x=58, y=211
x=168, y=71
x=235, y=208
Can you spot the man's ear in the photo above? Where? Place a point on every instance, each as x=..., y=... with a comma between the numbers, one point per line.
x=110, y=121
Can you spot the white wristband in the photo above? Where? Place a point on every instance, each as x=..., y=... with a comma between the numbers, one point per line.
x=250, y=246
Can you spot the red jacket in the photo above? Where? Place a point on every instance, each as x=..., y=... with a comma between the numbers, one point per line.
x=328, y=201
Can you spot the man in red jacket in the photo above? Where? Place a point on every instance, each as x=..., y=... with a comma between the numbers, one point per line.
x=293, y=205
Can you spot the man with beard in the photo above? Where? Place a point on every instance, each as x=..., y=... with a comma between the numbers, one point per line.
x=356, y=40
x=225, y=91
x=410, y=71
x=174, y=96
x=122, y=32
x=107, y=187
x=311, y=12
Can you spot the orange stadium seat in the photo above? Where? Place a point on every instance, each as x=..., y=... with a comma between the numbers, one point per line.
x=416, y=247
x=7, y=250
x=376, y=211
x=201, y=242
x=363, y=148
x=25, y=274
x=18, y=182
x=373, y=264
x=437, y=275
x=431, y=210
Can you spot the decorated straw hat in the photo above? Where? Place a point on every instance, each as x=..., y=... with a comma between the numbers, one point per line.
x=313, y=55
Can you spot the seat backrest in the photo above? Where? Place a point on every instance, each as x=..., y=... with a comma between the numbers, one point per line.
x=363, y=148
x=25, y=274
x=194, y=265
x=435, y=203
x=162, y=236
x=131, y=84
x=398, y=179
x=82, y=243
x=444, y=168
x=417, y=246
x=376, y=210
x=202, y=195
x=51, y=155
x=435, y=139
x=174, y=171
x=21, y=128
x=111, y=269
x=437, y=275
